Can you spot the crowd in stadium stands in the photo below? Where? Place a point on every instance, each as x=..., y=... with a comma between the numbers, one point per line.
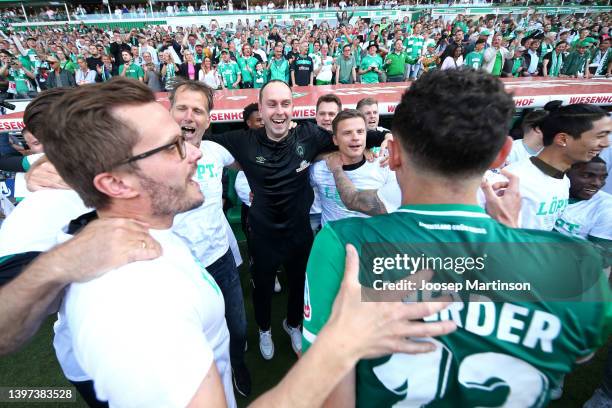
x=248, y=54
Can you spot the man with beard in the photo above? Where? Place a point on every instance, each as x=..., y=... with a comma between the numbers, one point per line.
x=276, y=160
x=136, y=164
x=205, y=228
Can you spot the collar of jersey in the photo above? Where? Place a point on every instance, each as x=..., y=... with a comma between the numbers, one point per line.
x=456, y=210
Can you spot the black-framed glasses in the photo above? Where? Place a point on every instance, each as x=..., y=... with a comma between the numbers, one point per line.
x=178, y=143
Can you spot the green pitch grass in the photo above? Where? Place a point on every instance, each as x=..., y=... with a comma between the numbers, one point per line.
x=36, y=366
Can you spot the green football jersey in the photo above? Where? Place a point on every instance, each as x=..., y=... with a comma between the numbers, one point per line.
x=505, y=352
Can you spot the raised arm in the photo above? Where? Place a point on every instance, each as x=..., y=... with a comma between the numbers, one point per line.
x=28, y=299
x=364, y=201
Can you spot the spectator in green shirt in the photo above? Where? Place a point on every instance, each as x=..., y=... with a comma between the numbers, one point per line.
x=371, y=65
x=474, y=58
x=395, y=63
x=247, y=63
x=129, y=69
x=577, y=63
x=346, y=72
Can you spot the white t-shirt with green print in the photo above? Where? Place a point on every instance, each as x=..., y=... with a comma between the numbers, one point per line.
x=544, y=198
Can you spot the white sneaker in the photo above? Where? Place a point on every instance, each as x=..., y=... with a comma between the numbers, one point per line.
x=266, y=346
x=296, y=337
x=277, y=285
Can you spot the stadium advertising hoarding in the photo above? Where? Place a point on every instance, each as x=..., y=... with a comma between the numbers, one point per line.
x=527, y=93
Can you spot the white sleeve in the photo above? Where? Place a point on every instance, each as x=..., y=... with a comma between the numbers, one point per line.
x=242, y=188
x=390, y=195
x=602, y=228
x=224, y=155
x=140, y=348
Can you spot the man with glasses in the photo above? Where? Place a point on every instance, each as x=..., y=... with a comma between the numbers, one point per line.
x=162, y=339
x=58, y=77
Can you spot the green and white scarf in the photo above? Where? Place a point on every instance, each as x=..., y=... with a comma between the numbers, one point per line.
x=556, y=63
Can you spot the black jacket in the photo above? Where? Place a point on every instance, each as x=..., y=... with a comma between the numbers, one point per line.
x=184, y=70
x=66, y=77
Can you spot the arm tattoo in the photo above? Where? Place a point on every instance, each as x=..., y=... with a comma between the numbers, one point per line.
x=365, y=201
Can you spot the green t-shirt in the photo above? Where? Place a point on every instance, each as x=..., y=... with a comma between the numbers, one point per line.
x=20, y=79
x=414, y=47
x=260, y=79
x=370, y=77
x=229, y=73
x=243, y=63
x=473, y=60
x=498, y=65
x=68, y=66
x=132, y=71
x=504, y=353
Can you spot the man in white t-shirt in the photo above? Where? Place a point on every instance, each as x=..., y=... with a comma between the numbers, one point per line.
x=589, y=213
x=349, y=128
x=531, y=143
x=571, y=134
x=369, y=108
x=206, y=228
x=150, y=333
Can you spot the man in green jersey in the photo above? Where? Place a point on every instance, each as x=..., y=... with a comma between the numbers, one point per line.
x=371, y=65
x=509, y=352
x=247, y=63
x=229, y=71
x=414, y=48
x=129, y=69
x=474, y=58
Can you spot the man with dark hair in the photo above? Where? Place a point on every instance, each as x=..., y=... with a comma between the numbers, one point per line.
x=135, y=163
x=531, y=142
x=449, y=128
x=349, y=129
x=346, y=72
x=589, y=213
x=327, y=108
x=570, y=134
x=251, y=116
x=35, y=223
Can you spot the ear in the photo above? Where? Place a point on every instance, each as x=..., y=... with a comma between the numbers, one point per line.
x=395, y=155
x=500, y=159
x=116, y=185
x=561, y=139
x=335, y=140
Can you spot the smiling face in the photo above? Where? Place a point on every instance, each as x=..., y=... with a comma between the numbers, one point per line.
x=350, y=137
x=276, y=109
x=326, y=112
x=165, y=180
x=587, y=179
x=591, y=142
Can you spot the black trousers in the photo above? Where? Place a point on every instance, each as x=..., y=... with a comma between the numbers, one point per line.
x=269, y=252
